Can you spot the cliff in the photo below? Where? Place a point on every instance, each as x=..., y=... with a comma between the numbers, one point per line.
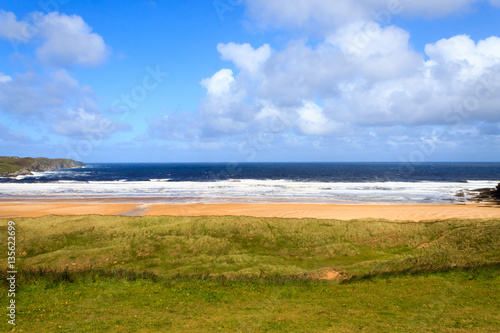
x=12, y=166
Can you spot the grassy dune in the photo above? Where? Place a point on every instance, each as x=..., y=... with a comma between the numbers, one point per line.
x=90, y=273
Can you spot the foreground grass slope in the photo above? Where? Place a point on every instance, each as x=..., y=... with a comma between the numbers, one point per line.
x=246, y=246
x=94, y=273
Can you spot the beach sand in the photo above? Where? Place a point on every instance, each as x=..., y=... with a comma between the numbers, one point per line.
x=284, y=210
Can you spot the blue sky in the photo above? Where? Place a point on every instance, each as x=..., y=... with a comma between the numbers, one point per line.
x=251, y=80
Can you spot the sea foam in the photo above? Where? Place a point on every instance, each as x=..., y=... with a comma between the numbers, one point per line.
x=251, y=190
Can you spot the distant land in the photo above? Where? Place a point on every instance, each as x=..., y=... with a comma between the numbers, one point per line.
x=13, y=166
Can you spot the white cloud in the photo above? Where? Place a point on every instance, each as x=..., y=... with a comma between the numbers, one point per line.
x=69, y=40
x=304, y=13
x=220, y=83
x=462, y=53
x=11, y=29
x=244, y=56
x=312, y=121
x=65, y=40
x=5, y=78
x=326, y=14
x=224, y=108
x=378, y=84
x=379, y=53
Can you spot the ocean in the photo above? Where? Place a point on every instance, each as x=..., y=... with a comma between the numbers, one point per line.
x=342, y=183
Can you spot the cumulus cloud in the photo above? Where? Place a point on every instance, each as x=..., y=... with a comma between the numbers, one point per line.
x=244, y=56
x=377, y=52
x=360, y=79
x=338, y=89
x=220, y=83
x=461, y=51
x=312, y=120
x=225, y=108
x=63, y=39
x=12, y=29
x=69, y=40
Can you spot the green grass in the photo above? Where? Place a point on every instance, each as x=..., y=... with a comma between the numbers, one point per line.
x=8, y=168
x=94, y=273
x=11, y=165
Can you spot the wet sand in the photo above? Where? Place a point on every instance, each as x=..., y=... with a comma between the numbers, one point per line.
x=284, y=210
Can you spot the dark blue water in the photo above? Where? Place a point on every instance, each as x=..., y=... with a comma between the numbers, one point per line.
x=307, y=172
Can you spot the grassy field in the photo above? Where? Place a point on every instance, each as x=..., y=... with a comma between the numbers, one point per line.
x=127, y=274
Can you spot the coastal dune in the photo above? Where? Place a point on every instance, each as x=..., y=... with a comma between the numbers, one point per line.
x=283, y=210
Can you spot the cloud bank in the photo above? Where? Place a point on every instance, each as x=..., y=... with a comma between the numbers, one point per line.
x=361, y=80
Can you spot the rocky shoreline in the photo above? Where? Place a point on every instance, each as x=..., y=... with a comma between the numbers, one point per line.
x=488, y=195
x=13, y=166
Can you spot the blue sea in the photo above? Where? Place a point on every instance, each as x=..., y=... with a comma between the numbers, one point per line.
x=353, y=183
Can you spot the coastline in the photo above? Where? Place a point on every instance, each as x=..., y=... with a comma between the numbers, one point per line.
x=411, y=212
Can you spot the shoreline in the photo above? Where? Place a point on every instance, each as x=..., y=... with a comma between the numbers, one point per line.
x=406, y=212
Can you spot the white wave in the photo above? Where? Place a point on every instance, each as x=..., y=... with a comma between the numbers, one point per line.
x=254, y=190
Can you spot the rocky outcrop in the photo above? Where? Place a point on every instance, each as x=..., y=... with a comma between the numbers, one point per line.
x=489, y=194
x=13, y=166
x=22, y=172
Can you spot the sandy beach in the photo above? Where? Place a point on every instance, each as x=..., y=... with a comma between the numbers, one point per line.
x=284, y=210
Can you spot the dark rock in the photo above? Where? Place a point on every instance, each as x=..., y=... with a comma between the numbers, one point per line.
x=488, y=194
x=22, y=172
